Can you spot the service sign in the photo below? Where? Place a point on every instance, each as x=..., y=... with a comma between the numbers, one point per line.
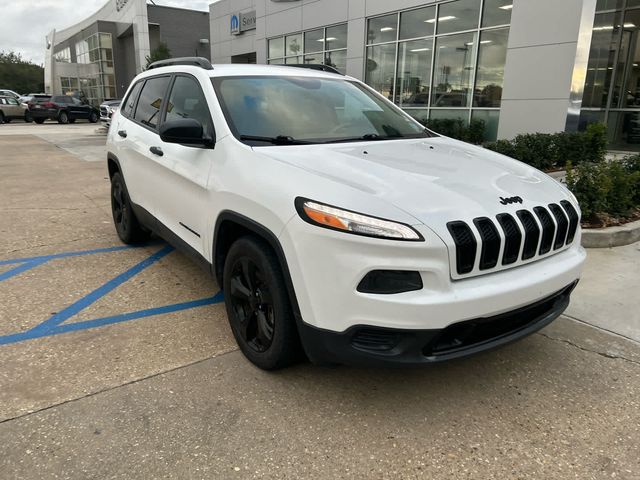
x=241, y=22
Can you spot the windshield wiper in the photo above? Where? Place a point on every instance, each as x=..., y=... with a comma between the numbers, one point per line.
x=365, y=137
x=278, y=140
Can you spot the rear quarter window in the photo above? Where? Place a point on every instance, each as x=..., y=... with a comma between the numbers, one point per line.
x=129, y=103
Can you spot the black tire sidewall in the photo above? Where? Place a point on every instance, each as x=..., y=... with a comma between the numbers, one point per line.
x=27, y=117
x=93, y=118
x=284, y=349
x=63, y=117
x=133, y=232
x=1, y=118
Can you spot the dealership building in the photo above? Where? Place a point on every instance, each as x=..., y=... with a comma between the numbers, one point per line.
x=102, y=54
x=521, y=66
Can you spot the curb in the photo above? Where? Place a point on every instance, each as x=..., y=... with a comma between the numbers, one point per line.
x=611, y=236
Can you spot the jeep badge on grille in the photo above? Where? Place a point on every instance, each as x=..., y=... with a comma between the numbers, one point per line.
x=507, y=201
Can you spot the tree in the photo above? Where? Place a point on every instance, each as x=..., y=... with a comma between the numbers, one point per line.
x=161, y=52
x=20, y=75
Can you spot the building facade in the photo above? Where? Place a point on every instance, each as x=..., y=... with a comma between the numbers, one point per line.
x=521, y=66
x=102, y=54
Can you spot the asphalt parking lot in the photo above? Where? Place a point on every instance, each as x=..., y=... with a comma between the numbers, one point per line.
x=118, y=362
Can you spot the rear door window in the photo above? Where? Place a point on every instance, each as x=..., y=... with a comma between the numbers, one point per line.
x=150, y=102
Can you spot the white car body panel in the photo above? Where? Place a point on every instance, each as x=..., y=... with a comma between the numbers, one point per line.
x=420, y=182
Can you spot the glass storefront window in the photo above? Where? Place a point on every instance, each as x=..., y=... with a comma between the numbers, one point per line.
x=490, y=71
x=314, y=41
x=105, y=40
x=321, y=46
x=604, y=43
x=490, y=119
x=459, y=114
x=458, y=16
x=380, y=67
x=337, y=59
x=276, y=47
x=453, y=72
x=417, y=23
x=336, y=37
x=497, y=12
x=382, y=29
x=414, y=72
x=608, y=5
x=293, y=44
x=627, y=85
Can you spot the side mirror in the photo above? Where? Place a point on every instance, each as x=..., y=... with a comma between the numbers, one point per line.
x=185, y=131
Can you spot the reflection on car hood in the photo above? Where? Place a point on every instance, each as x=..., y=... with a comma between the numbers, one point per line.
x=436, y=180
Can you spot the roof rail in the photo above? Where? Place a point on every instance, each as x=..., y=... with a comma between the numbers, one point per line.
x=195, y=61
x=314, y=66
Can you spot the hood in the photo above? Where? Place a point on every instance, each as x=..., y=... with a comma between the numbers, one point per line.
x=435, y=180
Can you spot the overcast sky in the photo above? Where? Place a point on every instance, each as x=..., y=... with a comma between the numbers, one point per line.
x=24, y=23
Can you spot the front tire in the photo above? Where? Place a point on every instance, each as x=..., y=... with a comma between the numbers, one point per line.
x=27, y=117
x=127, y=226
x=63, y=117
x=258, y=305
x=93, y=117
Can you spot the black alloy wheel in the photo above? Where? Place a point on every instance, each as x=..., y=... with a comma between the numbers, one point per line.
x=258, y=306
x=125, y=221
x=252, y=304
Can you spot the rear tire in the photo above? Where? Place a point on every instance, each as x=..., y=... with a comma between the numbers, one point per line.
x=129, y=229
x=93, y=117
x=27, y=117
x=63, y=117
x=258, y=305
x=39, y=121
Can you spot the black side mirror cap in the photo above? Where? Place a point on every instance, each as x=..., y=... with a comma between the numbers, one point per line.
x=185, y=131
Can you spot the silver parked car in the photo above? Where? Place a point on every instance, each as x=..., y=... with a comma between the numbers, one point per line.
x=12, y=109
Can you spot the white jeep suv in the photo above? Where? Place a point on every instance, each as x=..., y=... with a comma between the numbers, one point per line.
x=336, y=224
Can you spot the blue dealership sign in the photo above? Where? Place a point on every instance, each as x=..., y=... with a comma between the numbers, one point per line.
x=235, y=24
x=241, y=22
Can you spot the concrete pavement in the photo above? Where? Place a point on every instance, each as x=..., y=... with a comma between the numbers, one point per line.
x=145, y=381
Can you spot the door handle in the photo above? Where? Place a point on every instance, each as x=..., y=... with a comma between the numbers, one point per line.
x=122, y=133
x=156, y=151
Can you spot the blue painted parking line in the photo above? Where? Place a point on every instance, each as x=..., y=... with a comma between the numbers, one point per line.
x=55, y=325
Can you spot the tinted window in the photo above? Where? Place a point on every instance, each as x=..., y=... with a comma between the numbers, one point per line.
x=187, y=101
x=130, y=102
x=310, y=109
x=12, y=101
x=150, y=102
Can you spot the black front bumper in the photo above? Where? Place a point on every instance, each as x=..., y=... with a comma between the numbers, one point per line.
x=363, y=345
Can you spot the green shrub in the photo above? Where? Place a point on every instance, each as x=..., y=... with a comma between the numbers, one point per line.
x=606, y=188
x=457, y=128
x=552, y=151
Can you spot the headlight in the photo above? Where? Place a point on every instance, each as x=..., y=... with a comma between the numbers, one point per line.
x=351, y=222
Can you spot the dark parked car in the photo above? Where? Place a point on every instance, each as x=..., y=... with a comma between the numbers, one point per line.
x=63, y=108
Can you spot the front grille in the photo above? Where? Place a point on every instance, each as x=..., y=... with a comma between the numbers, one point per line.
x=550, y=229
x=103, y=111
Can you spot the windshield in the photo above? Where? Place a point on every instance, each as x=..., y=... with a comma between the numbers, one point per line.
x=263, y=110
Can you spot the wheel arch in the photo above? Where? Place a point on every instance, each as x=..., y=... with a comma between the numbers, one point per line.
x=229, y=227
x=113, y=165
